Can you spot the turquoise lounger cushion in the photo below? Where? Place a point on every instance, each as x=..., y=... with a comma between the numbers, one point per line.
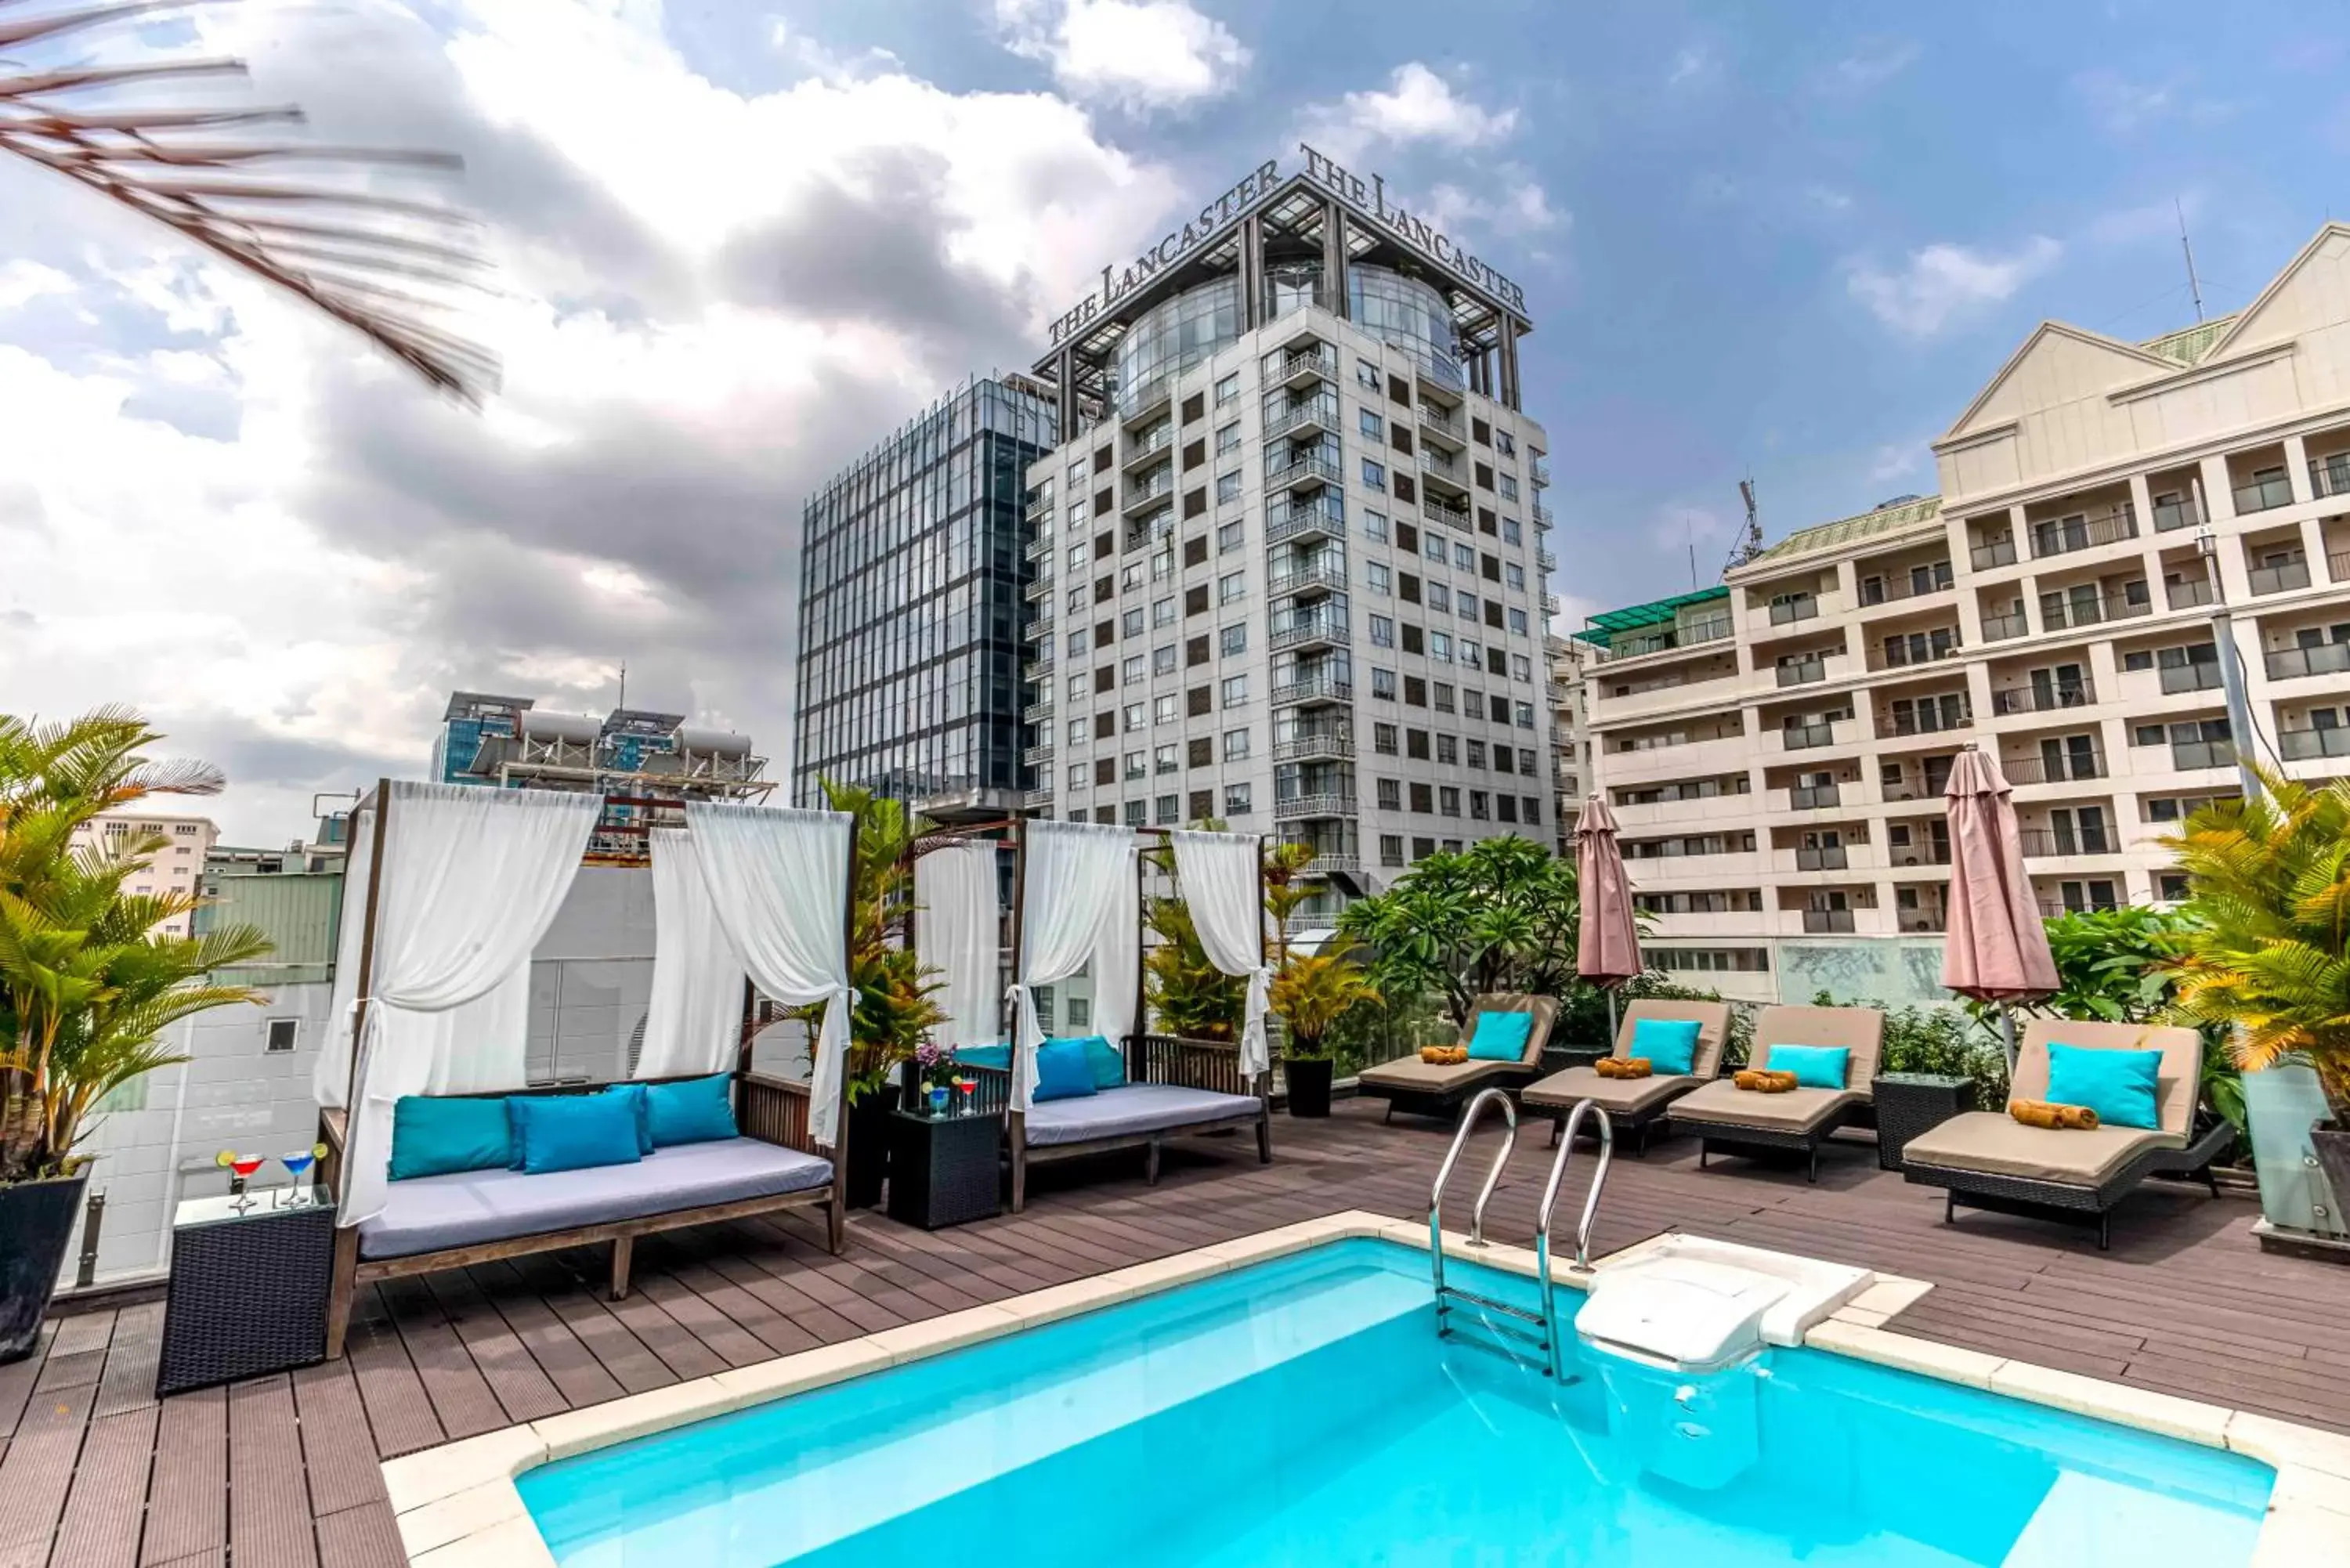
x=1669, y=1043
x=1063, y=1071
x=1501, y=1036
x=1815, y=1066
x=699, y=1110
x=1108, y=1060
x=998, y=1056
x=640, y=1102
x=2120, y=1085
x=574, y=1132
x=433, y=1136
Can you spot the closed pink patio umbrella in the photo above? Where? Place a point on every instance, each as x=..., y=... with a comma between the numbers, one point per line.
x=1996, y=948
x=1607, y=948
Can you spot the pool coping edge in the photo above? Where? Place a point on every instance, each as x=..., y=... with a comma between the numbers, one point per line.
x=456, y=1505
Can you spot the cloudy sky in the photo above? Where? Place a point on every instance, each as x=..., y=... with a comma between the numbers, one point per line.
x=738, y=241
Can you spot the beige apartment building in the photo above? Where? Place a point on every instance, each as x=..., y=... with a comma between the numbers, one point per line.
x=1570, y=663
x=178, y=867
x=1775, y=748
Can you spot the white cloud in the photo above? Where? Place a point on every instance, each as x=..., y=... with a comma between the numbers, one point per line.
x=1522, y=208
x=1944, y=282
x=1140, y=55
x=1418, y=105
x=1693, y=65
x=22, y=282
x=1873, y=65
x=1895, y=460
x=2121, y=105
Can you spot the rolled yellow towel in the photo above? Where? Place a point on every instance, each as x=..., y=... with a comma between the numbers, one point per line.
x=1623, y=1067
x=2049, y=1115
x=1762, y=1081
x=1444, y=1055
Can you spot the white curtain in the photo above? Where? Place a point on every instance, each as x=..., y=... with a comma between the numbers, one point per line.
x=1218, y=873
x=1118, y=957
x=330, y=1079
x=471, y=879
x=1069, y=886
x=779, y=878
x=955, y=920
x=482, y=1045
x=694, y=1021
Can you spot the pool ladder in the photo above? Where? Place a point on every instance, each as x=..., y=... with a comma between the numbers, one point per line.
x=1513, y=1330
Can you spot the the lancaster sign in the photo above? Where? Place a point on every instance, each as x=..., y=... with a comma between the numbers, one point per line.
x=1219, y=214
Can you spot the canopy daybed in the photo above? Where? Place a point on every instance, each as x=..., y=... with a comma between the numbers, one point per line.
x=1077, y=905
x=451, y=889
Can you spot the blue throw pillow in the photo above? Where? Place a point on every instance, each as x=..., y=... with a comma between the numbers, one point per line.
x=640, y=1102
x=1815, y=1066
x=699, y=1110
x=1501, y=1036
x=1063, y=1071
x=573, y=1132
x=1669, y=1043
x=997, y=1056
x=2120, y=1085
x=433, y=1136
x=1109, y=1063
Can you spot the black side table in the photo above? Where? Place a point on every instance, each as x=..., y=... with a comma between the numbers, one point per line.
x=944, y=1171
x=248, y=1292
x=1908, y=1104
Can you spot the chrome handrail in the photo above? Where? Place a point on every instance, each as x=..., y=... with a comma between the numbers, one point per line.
x=1583, y=1226
x=1492, y=1178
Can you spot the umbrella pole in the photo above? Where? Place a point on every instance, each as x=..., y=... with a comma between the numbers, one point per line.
x=2007, y=1038
x=1611, y=1018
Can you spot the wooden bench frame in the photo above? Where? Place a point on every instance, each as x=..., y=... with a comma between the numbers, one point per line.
x=772, y=1110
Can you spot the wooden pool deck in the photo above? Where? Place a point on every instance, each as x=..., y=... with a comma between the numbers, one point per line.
x=281, y=1472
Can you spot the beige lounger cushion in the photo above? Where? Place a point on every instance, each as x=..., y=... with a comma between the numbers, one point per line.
x=1859, y=1029
x=1711, y=1018
x=1724, y=1103
x=1426, y=1078
x=2178, y=1080
x=1997, y=1144
x=1626, y=1095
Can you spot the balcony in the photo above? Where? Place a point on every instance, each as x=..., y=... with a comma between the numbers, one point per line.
x=1893, y=588
x=1040, y=587
x=2187, y=756
x=1037, y=668
x=1322, y=631
x=1445, y=425
x=1804, y=671
x=1041, y=546
x=1137, y=403
x=2045, y=697
x=2308, y=745
x=1826, y=857
x=1538, y=470
x=1315, y=743
x=1787, y=612
x=1550, y=603
x=1687, y=636
x=1994, y=553
x=2265, y=492
x=2195, y=675
x=1806, y=737
x=1158, y=487
x=1812, y=797
x=1543, y=519
x=2324, y=659
x=1931, y=853
x=1037, y=713
x=1038, y=756
x=1321, y=803
x=1315, y=469
x=1441, y=468
x=2000, y=627
x=2189, y=592
x=1921, y=922
x=2280, y=579
x=1316, y=578
x=1545, y=562
x=1311, y=691
x=1325, y=516
x=2057, y=767
x=2059, y=613
x=1338, y=863
x=2062, y=536
x=1040, y=509
x=1038, y=629
x=1451, y=514
x=1917, y=653
x=1924, y=720
x=2057, y=908
x=1817, y=922
x=2337, y=566
x=1294, y=418
x=1137, y=452
x=2169, y=516
x=1301, y=367
x=2043, y=842
x=2330, y=475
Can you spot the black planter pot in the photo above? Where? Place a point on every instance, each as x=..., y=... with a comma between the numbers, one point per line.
x=1308, y=1078
x=37, y=1221
x=2332, y=1146
x=868, y=1146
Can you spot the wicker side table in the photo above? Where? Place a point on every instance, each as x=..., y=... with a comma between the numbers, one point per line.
x=944, y=1171
x=1908, y=1104
x=248, y=1292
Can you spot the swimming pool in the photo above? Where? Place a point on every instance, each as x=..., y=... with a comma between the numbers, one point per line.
x=1303, y=1411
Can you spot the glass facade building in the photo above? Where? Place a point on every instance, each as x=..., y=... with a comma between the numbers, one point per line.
x=911, y=576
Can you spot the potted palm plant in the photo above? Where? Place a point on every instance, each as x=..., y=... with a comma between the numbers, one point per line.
x=2263, y=956
x=1310, y=991
x=87, y=989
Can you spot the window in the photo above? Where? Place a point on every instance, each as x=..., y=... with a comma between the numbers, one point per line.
x=1479, y=805
x=1232, y=536
x=1200, y=751
x=1464, y=560
x=1375, y=474
x=1415, y=745
x=1106, y=724
x=1162, y=613
x=1076, y=775
x=1448, y=801
x=1228, y=487
x=1515, y=576
x=1231, y=586
x=1440, y=598
x=1226, y=389
x=1526, y=766
x=1423, y=801
x=1369, y=423
x=1407, y=587
x=1236, y=745
x=1195, y=552
x=1166, y=810
x=1448, y=750
x=1166, y=710
x=1367, y=374
x=1195, y=599
x=1135, y=767
x=281, y=1033
x=1414, y=640
x=1075, y=603
x=1077, y=688
x=1407, y=537
x=1236, y=800
x=1466, y=603
x=1078, y=555
x=1163, y=759
x=1195, y=651
x=1440, y=647
x=1235, y=690
x=1130, y=577
x=1375, y=525
x=1509, y=487
x=1512, y=532
x=1521, y=667
x=1078, y=642
x=1232, y=640
x=1377, y=579
x=1391, y=794
x=1383, y=740
x=1444, y=697
x=1518, y=621
x=1421, y=848
x=1383, y=684
x=1136, y=716
x=1391, y=848
x=1477, y=755
x=1471, y=655
x=1435, y=550
x=1525, y=715
x=1132, y=674
x=1382, y=631
x=1077, y=731
x=1196, y=700
x=1415, y=691
x=1129, y=624
x=1162, y=661
x=1228, y=438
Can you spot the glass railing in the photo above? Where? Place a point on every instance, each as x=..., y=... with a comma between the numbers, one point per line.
x=2324, y=659
x=2189, y=592
x=1443, y=421
x=1827, y=857
x=2264, y=492
x=1803, y=672
x=1297, y=631
x=2172, y=516
x=1321, y=411
x=1287, y=519
x=2303, y=745
x=2330, y=476
x=2187, y=755
x=1886, y=590
x=1994, y=553
x=1926, y=720
x=1811, y=797
x=1786, y=612
x=1805, y=737
x=2280, y=579
x=2042, y=698
x=1998, y=628
x=2062, y=538
x=1816, y=921
x=2195, y=675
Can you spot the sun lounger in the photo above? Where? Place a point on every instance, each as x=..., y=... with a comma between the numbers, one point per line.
x=1637, y=1104
x=1987, y=1160
x=1726, y=1117
x=1410, y=1084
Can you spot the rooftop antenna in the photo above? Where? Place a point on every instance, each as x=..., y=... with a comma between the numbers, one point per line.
x=624, y=684
x=2194, y=284
x=1749, y=538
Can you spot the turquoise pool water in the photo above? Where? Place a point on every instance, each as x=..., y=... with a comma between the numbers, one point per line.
x=1304, y=1412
